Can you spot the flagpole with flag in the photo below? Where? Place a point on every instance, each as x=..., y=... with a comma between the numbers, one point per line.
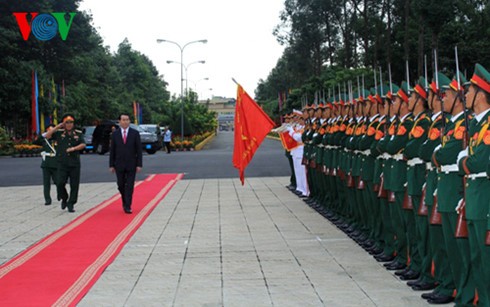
x=35, y=104
x=252, y=125
x=55, y=111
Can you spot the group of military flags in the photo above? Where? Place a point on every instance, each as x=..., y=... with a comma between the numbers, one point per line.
x=405, y=172
x=40, y=120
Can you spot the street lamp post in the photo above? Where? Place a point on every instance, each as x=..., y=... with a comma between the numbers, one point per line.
x=186, y=67
x=204, y=41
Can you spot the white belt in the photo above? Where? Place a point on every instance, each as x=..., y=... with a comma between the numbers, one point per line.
x=357, y=152
x=366, y=152
x=47, y=154
x=415, y=161
x=386, y=156
x=428, y=166
x=449, y=168
x=398, y=157
x=320, y=145
x=479, y=175
x=346, y=150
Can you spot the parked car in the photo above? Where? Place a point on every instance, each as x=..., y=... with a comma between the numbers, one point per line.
x=101, y=138
x=153, y=142
x=87, y=135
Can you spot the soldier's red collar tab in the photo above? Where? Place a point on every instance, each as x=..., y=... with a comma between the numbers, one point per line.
x=481, y=83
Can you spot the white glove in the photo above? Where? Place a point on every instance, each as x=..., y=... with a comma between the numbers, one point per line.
x=435, y=193
x=437, y=147
x=462, y=154
x=459, y=206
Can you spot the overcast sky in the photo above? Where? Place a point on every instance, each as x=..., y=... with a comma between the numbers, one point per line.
x=239, y=33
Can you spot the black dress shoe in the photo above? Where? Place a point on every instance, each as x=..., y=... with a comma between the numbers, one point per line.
x=428, y=296
x=70, y=208
x=412, y=283
x=391, y=263
x=376, y=251
x=396, y=267
x=440, y=299
x=410, y=275
x=402, y=272
x=63, y=204
x=47, y=203
x=424, y=286
x=128, y=211
x=384, y=258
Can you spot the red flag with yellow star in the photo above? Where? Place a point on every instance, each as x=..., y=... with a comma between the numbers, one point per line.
x=251, y=127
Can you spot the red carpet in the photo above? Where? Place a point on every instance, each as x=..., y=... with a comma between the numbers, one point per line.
x=60, y=269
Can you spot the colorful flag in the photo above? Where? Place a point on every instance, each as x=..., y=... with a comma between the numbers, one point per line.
x=287, y=141
x=55, y=110
x=135, y=112
x=251, y=127
x=35, y=104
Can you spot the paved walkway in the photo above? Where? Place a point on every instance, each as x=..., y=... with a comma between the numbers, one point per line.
x=212, y=242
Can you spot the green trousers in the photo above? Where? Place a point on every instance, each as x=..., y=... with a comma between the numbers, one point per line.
x=400, y=228
x=458, y=253
x=423, y=241
x=477, y=230
x=49, y=174
x=65, y=173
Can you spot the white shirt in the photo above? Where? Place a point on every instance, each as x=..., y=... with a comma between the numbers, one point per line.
x=168, y=136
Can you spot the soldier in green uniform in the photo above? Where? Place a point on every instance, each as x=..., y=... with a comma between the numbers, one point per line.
x=378, y=151
x=49, y=164
x=472, y=163
x=367, y=161
x=416, y=179
x=397, y=184
x=449, y=192
x=69, y=144
x=438, y=251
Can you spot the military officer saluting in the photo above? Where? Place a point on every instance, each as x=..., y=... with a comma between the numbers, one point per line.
x=70, y=142
x=49, y=164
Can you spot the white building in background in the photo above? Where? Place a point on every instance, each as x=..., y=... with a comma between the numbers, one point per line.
x=225, y=110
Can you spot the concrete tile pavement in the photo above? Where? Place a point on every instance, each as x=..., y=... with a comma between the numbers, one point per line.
x=214, y=242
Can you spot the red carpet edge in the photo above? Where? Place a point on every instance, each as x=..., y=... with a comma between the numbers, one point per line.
x=92, y=272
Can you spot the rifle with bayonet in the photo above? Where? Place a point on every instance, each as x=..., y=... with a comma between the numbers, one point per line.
x=461, y=225
x=435, y=216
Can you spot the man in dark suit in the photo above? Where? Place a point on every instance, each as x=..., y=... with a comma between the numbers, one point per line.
x=126, y=159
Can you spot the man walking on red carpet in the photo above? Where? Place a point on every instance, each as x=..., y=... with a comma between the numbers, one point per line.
x=126, y=159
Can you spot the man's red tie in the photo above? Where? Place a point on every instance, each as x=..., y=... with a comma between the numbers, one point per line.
x=124, y=136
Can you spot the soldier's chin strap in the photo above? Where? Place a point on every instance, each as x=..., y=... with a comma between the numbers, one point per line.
x=474, y=98
x=454, y=104
x=415, y=104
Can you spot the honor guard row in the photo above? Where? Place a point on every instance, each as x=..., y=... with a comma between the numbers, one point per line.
x=404, y=171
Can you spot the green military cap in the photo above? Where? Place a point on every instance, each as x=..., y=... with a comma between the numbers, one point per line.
x=420, y=87
x=403, y=91
x=68, y=117
x=481, y=78
x=443, y=83
x=371, y=95
x=454, y=83
x=393, y=90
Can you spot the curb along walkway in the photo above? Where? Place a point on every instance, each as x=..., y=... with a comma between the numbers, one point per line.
x=214, y=242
